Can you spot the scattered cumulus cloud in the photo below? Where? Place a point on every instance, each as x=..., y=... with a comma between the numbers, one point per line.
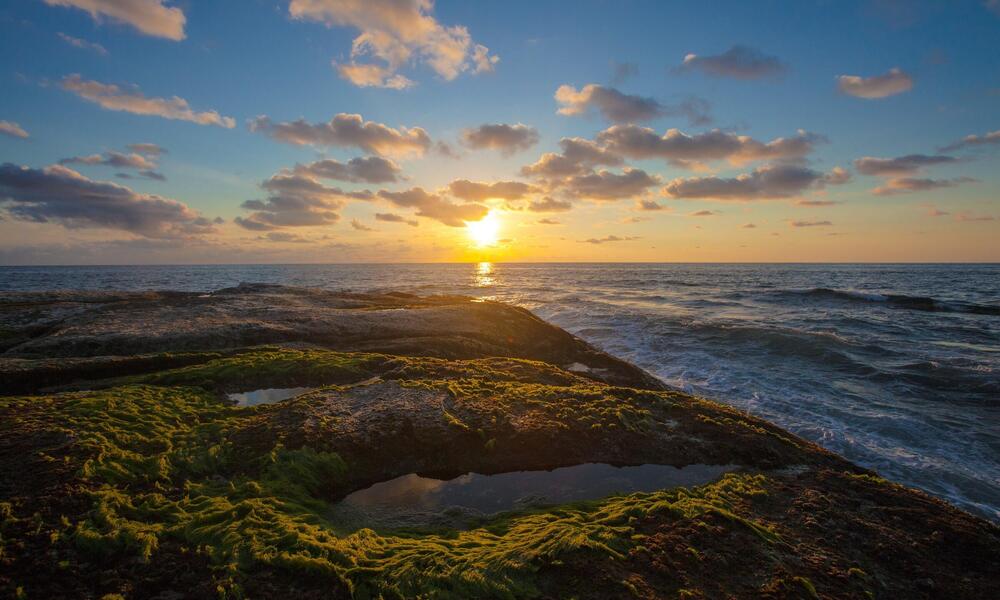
x=908, y=185
x=739, y=62
x=394, y=218
x=689, y=151
x=112, y=97
x=991, y=138
x=151, y=17
x=12, y=129
x=879, y=86
x=607, y=185
x=433, y=206
x=507, y=139
x=347, y=130
x=609, y=239
x=902, y=165
x=147, y=149
x=650, y=205
x=768, y=182
x=112, y=159
x=59, y=194
x=548, y=222
x=297, y=199
x=368, y=169
x=810, y=224
x=477, y=192
x=396, y=33
x=579, y=156
x=359, y=226
x=83, y=44
x=619, y=107
x=549, y=204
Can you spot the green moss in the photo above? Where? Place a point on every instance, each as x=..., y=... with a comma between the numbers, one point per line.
x=269, y=366
x=156, y=459
x=807, y=586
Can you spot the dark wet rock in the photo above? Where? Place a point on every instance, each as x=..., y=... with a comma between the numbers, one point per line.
x=66, y=324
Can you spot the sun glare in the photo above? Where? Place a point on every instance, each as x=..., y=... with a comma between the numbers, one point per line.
x=484, y=231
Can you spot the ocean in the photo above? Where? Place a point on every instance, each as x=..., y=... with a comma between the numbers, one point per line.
x=896, y=367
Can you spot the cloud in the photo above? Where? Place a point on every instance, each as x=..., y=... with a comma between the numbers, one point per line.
x=618, y=107
x=909, y=185
x=347, y=130
x=393, y=218
x=358, y=225
x=83, y=44
x=368, y=75
x=623, y=71
x=650, y=205
x=778, y=181
x=296, y=200
x=148, y=16
x=934, y=212
x=477, y=192
x=368, y=169
x=397, y=33
x=548, y=222
x=902, y=165
x=816, y=203
x=147, y=149
x=686, y=150
x=13, y=130
x=880, y=86
x=612, y=104
x=748, y=226
x=609, y=238
x=704, y=213
x=606, y=185
x=507, y=139
x=810, y=224
x=285, y=237
x=991, y=138
x=60, y=194
x=435, y=207
x=112, y=159
x=739, y=62
x=112, y=97
x=993, y=6
x=548, y=204
x=578, y=156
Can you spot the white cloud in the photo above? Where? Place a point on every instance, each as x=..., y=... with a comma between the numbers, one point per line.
x=873, y=88
x=112, y=97
x=13, y=130
x=739, y=62
x=83, y=44
x=396, y=33
x=151, y=17
x=347, y=130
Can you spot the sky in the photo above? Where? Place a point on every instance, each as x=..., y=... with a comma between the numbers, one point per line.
x=253, y=131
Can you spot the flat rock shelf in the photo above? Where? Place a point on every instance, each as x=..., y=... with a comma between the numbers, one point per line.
x=127, y=470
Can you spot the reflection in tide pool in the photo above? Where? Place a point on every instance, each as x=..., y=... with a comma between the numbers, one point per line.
x=412, y=500
x=267, y=396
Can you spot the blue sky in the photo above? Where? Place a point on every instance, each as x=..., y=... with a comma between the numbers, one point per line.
x=251, y=58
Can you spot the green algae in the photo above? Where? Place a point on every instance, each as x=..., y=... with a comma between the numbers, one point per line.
x=158, y=467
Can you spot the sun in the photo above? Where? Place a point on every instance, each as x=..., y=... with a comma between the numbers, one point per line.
x=484, y=231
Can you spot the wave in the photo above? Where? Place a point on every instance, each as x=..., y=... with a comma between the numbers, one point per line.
x=924, y=303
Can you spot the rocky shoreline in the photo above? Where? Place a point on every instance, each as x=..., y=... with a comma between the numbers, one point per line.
x=124, y=470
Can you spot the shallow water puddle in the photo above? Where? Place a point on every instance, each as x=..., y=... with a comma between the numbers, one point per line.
x=412, y=500
x=267, y=396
